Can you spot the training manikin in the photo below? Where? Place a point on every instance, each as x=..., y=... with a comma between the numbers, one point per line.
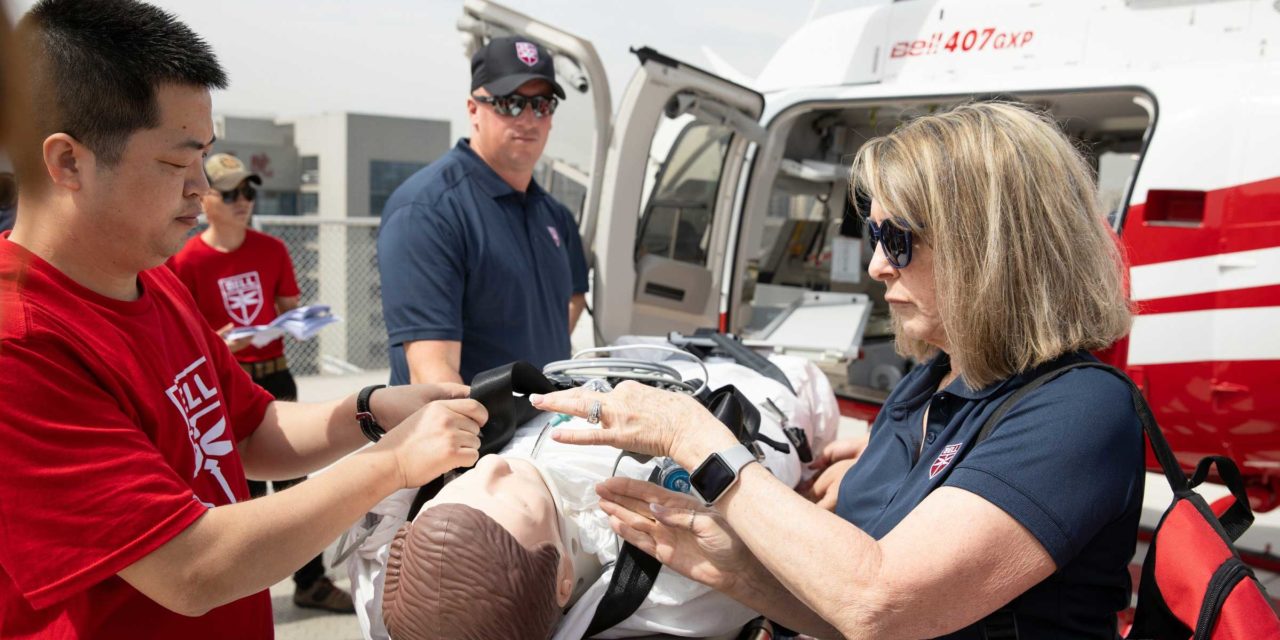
x=523, y=531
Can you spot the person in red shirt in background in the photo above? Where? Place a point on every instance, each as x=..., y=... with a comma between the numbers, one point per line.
x=127, y=429
x=240, y=277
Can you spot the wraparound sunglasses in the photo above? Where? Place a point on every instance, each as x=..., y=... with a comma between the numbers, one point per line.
x=513, y=105
x=896, y=241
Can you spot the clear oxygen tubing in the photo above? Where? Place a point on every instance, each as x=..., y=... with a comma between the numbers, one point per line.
x=601, y=362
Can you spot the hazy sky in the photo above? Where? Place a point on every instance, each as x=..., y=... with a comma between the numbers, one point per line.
x=401, y=57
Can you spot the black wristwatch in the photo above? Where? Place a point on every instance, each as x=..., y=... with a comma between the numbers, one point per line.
x=368, y=424
x=719, y=471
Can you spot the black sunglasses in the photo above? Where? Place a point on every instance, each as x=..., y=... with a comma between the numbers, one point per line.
x=895, y=240
x=513, y=105
x=245, y=190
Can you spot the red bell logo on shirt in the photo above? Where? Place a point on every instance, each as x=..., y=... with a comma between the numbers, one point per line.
x=948, y=454
x=242, y=296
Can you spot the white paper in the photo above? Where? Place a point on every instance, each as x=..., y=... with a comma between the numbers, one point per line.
x=302, y=323
x=846, y=260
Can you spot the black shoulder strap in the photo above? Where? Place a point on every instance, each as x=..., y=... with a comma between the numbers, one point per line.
x=1159, y=446
x=496, y=389
x=635, y=571
x=1003, y=623
x=633, y=576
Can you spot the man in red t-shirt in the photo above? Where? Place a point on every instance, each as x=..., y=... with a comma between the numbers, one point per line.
x=239, y=278
x=126, y=427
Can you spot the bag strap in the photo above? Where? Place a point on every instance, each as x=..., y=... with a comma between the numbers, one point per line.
x=1159, y=446
x=1239, y=516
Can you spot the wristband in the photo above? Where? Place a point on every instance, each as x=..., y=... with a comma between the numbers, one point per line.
x=368, y=424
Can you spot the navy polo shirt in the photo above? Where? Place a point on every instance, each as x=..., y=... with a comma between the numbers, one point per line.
x=1066, y=462
x=465, y=257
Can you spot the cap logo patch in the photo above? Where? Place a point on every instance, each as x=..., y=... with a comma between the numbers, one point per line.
x=230, y=162
x=527, y=53
x=948, y=454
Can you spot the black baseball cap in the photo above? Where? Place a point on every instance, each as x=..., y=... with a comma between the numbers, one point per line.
x=504, y=64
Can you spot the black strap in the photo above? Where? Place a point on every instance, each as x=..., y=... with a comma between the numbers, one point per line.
x=635, y=570
x=732, y=408
x=744, y=356
x=1239, y=516
x=364, y=415
x=1159, y=446
x=633, y=576
x=1000, y=625
x=496, y=389
x=706, y=341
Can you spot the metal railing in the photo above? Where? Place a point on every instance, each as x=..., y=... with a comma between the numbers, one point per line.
x=335, y=260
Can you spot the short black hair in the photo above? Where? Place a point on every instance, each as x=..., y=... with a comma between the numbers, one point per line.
x=97, y=64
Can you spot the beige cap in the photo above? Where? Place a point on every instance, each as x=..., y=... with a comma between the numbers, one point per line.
x=226, y=172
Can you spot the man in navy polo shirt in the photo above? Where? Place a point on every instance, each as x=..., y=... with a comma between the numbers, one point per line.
x=480, y=266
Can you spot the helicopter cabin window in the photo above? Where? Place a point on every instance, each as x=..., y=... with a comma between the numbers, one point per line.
x=804, y=236
x=680, y=190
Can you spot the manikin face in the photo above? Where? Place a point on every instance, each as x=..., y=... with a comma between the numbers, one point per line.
x=142, y=209
x=221, y=214
x=510, y=144
x=909, y=291
x=513, y=493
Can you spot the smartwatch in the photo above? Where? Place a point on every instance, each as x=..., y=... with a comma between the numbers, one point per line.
x=719, y=471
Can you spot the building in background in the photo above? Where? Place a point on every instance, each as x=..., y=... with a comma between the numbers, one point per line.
x=266, y=147
x=332, y=173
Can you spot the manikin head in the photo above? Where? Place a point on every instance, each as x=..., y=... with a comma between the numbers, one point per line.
x=122, y=120
x=484, y=559
x=228, y=203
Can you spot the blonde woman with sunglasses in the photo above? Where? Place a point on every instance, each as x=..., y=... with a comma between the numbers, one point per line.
x=998, y=265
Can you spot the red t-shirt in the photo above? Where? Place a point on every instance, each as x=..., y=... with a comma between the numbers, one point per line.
x=117, y=429
x=239, y=287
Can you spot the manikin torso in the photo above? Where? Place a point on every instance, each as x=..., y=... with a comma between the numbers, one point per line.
x=676, y=605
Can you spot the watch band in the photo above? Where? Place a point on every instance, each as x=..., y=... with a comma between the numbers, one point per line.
x=738, y=457
x=368, y=423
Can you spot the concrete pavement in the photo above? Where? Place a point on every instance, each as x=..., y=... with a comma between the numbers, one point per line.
x=293, y=623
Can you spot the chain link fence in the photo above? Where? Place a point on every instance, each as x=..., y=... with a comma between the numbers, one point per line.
x=336, y=264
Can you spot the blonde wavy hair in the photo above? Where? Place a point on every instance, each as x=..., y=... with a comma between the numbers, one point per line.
x=1025, y=265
